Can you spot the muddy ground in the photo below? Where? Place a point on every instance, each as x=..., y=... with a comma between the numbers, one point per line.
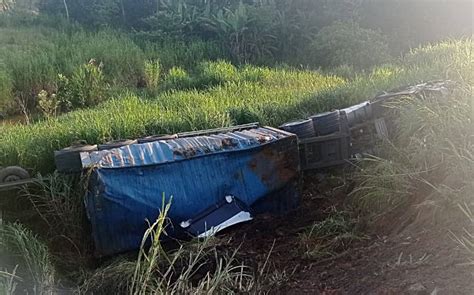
x=412, y=251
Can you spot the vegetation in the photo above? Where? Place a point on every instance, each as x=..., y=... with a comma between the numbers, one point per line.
x=334, y=234
x=196, y=269
x=28, y=257
x=171, y=66
x=272, y=96
x=348, y=44
x=45, y=58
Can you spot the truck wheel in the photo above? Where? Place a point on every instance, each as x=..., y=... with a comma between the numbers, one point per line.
x=68, y=160
x=326, y=123
x=13, y=173
x=303, y=129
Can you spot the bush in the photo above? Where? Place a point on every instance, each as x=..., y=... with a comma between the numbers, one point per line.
x=86, y=87
x=33, y=58
x=215, y=73
x=48, y=104
x=348, y=44
x=177, y=78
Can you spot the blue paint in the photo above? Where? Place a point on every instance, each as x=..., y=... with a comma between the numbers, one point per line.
x=125, y=193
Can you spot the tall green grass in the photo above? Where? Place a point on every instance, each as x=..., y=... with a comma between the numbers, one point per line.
x=271, y=96
x=431, y=156
x=27, y=261
x=193, y=268
x=33, y=57
x=275, y=99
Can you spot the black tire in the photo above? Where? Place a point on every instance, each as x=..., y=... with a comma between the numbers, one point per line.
x=303, y=129
x=359, y=113
x=13, y=173
x=68, y=160
x=116, y=144
x=326, y=123
x=157, y=137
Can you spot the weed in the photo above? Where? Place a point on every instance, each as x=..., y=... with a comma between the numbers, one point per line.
x=409, y=260
x=28, y=258
x=194, y=268
x=8, y=282
x=152, y=74
x=217, y=73
x=177, y=79
x=383, y=186
x=467, y=240
x=85, y=88
x=335, y=233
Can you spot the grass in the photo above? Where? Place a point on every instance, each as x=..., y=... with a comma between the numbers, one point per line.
x=271, y=96
x=329, y=236
x=58, y=200
x=28, y=261
x=467, y=239
x=432, y=152
x=274, y=99
x=434, y=139
x=192, y=268
x=33, y=55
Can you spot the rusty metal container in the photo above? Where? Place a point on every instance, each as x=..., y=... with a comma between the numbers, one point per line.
x=192, y=172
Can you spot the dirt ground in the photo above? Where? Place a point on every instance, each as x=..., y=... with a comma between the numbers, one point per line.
x=410, y=252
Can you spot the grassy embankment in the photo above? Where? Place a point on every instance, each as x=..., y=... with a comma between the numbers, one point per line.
x=435, y=139
x=230, y=96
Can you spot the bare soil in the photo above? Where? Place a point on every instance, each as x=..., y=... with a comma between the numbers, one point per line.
x=410, y=251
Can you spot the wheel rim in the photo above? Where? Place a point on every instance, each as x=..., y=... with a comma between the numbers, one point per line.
x=11, y=178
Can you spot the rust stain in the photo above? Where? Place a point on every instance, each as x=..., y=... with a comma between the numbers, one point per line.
x=228, y=142
x=276, y=164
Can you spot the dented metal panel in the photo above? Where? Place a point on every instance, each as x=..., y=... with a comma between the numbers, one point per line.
x=171, y=150
x=128, y=185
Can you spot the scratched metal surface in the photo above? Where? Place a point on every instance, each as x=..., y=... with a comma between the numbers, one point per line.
x=171, y=150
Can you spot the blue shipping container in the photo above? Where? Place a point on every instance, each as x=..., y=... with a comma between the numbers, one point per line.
x=127, y=184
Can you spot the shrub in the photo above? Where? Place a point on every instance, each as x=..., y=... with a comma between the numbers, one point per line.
x=177, y=78
x=48, y=104
x=86, y=87
x=348, y=44
x=33, y=58
x=215, y=73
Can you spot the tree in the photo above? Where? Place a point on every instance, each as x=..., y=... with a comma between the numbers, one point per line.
x=348, y=44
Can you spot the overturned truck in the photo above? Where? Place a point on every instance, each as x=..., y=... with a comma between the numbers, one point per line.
x=212, y=179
